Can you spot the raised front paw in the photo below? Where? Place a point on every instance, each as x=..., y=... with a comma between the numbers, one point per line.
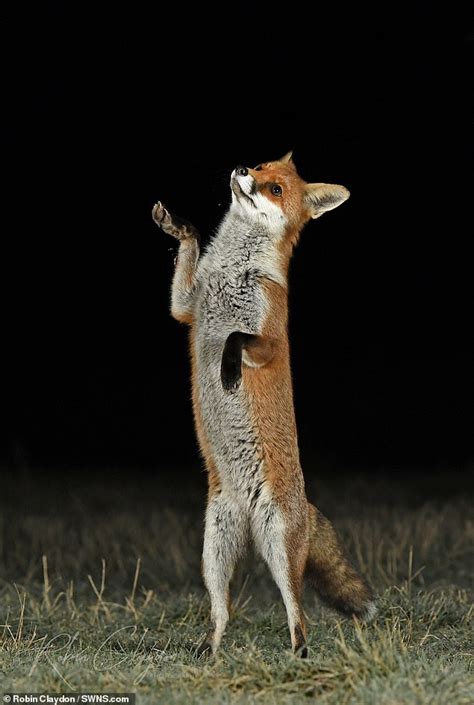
x=161, y=216
x=172, y=224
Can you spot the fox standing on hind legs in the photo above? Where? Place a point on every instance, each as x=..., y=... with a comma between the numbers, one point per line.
x=234, y=297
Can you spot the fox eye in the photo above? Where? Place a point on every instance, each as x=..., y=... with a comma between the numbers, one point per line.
x=276, y=189
x=258, y=168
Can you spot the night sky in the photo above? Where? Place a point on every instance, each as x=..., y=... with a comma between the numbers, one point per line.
x=106, y=115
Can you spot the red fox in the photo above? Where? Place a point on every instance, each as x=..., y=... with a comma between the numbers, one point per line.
x=235, y=299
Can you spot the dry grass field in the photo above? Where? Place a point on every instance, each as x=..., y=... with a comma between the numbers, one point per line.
x=100, y=590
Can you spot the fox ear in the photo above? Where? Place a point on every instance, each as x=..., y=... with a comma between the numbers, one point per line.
x=324, y=197
x=288, y=159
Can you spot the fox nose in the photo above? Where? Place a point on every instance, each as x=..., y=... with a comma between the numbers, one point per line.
x=241, y=170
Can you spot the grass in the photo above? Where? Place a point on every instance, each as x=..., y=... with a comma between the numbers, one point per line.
x=101, y=591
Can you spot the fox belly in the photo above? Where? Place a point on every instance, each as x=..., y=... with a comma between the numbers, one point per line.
x=226, y=424
x=230, y=299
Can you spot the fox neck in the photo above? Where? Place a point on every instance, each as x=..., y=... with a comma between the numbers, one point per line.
x=241, y=239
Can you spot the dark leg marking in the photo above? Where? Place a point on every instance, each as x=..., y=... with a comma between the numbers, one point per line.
x=204, y=650
x=231, y=365
x=301, y=648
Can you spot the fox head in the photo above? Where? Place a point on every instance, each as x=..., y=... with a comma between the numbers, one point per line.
x=274, y=193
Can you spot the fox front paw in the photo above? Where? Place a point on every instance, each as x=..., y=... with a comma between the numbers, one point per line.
x=161, y=216
x=172, y=224
x=231, y=383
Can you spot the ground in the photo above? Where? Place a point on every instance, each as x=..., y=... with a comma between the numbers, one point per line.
x=101, y=591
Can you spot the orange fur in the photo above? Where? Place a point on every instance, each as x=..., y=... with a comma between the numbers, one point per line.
x=292, y=199
x=271, y=405
x=270, y=398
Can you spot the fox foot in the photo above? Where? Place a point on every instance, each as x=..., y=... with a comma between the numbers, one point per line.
x=300, y=647
x=204, y=650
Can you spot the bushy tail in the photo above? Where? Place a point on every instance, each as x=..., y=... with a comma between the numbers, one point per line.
x=336, y=581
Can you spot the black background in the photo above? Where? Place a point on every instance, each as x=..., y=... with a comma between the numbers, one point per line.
x=106, y=114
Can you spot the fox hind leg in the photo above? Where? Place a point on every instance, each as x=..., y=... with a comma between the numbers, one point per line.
x=225, y=539
x=285, y=551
